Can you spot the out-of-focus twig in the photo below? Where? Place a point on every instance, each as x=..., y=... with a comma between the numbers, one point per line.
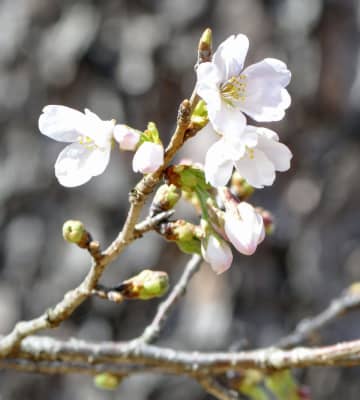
x=348, y=301
x=218, y=391
x=152, y=331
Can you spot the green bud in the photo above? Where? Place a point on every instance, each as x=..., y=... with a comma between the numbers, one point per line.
x=146, y=285
x=192, y=246
x=165, y=198
x=205, y=46
x=74, y=232
x=107, y=381
x=156, y=284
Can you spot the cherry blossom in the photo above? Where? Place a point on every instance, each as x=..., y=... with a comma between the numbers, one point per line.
x=229, y=91
x=256, y=154
x=89, y=152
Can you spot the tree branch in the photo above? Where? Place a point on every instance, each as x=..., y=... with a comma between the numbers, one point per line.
x=152, y=331
x=144, y=357
x=348, y=301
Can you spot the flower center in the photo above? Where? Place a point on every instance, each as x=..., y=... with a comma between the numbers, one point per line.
x=87, y=142
x=234, y=89
x=250, y=152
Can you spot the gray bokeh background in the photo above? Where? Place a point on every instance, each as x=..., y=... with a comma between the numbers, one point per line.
x=133, y=61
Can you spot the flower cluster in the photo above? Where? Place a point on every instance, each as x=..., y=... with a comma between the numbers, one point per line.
x=230, y=91
x=227, y=92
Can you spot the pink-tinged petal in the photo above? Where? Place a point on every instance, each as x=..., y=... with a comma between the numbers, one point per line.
x=230, y=56
x=217, y=253
x=266, y=98
x=246, y=230
x=276, y=152
x=77, y=164
x=127, y=137
x=148, y=158
x=227, y=120
x=256, y=168
x=61, y=123
x=218, y=164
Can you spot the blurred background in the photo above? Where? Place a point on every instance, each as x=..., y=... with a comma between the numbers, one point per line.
x=133, y=60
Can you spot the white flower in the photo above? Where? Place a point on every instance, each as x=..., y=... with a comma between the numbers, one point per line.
x=128, y=138
x=217, y=253
x=257, y=154
x=148, y=158
x=228, y=90
x=245, y=228
x=89, y=152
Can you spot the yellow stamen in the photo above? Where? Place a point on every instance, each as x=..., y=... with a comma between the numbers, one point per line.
x=234, y=89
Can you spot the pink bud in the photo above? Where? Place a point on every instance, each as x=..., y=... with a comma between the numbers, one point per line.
x=217, y=253
x=245, y=228
x=127, y=137
x=148, y=158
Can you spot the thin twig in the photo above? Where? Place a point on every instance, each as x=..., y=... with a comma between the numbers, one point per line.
x=152, y=331
x=348, y=301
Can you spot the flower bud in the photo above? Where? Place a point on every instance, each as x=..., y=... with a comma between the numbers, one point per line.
x=107, y=381
x=165, y=199
x=184, y=234
x=146, y=285
x=205, y=46
x=217, y=253
x=74, y=232
x=240, y=187
x=128, y=138
x=148, y=158
x=244, y=227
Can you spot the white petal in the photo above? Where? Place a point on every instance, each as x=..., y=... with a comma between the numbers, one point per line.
x=227, y=120
x=218, y=164
x=101, y=132
x=218, y=254
x=230, y=56
x=207, y=86
x=148, y=158
x=258, y=170
x=276, y=152
x=61, y=123
x=266, y=98
x=77, y=164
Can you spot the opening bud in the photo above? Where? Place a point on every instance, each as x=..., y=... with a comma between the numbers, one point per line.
x=74, y=232
x=146, y=285
x=107, y=381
